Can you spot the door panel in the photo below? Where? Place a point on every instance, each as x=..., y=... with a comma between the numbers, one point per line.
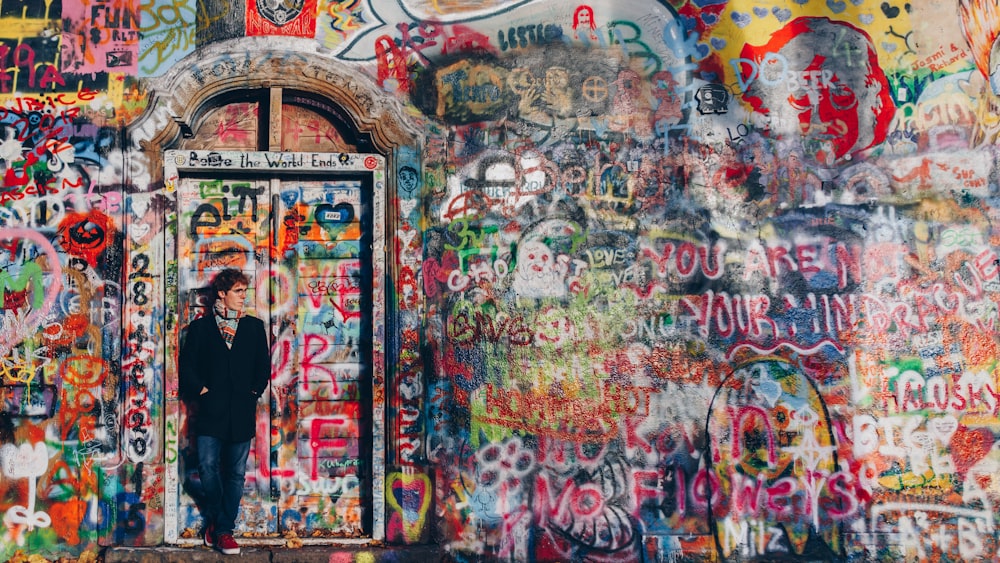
x=222, y=224
x=325, y=246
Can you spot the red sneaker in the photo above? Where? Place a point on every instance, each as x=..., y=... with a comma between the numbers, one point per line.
x=210, y=535
x=227, y=544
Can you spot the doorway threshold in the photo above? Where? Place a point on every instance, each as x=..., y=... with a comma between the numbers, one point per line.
x=278, y=540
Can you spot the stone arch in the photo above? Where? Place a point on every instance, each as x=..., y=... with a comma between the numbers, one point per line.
x=179, y=98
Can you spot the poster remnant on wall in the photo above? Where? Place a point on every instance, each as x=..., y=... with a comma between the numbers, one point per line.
x=100, y=36
x=296, y=18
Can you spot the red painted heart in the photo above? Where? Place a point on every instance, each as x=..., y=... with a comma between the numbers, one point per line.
x=968, y=446
x=409, y=495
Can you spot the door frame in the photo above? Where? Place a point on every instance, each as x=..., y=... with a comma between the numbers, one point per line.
x=279, y=165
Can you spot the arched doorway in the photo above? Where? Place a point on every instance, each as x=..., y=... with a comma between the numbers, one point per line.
x=280, y=166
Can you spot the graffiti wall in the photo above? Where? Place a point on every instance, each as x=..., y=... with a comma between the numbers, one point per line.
x=660, y=280
x=712, y=280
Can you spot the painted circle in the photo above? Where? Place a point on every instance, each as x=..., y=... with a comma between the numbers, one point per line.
x=371, y=162
x=595, y=89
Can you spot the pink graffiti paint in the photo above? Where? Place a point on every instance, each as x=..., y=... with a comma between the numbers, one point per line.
x=50, y=259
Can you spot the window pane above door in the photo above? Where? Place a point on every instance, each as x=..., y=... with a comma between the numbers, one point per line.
x=230, y=127
x=303, y=129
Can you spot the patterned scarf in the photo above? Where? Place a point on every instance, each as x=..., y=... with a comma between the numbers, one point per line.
x=228, y=320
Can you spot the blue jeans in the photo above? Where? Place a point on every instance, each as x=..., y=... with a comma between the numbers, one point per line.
x=222, y=466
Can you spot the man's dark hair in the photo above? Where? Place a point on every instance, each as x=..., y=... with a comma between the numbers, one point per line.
x=226, y=279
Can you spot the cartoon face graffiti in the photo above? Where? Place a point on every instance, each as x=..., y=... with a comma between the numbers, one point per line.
x=536, y=274
x=584, y=26
x=820, y=80
x=583, y=17
x=536, y=258
x=408, y=179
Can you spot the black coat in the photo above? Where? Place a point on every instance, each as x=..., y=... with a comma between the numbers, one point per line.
x=235, y=377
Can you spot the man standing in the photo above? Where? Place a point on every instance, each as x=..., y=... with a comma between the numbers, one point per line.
x=225, y=366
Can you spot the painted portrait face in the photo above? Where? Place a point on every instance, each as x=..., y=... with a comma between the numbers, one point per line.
x=826, y=107
x=820, y=80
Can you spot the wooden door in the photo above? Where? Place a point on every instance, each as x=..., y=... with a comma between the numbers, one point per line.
x=306, y=245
